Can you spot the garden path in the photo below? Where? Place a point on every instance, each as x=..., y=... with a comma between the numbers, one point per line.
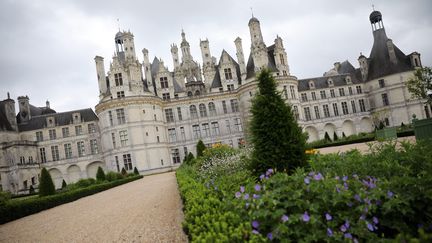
x=146, y=210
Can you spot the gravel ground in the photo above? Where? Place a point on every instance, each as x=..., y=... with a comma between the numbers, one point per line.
x=146, y=210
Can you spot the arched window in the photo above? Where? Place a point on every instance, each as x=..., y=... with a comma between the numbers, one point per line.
x=212, y=109
x=193, y=112
x=203, y=110
x=197, y=93
x=189, y=94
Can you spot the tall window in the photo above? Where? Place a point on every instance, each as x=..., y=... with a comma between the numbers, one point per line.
x=169, y=115
x=323, y=94
x=212, y=109
x=196, y=131
x=359, y=89
x=285, y=92
x=55, y=153
x=120, y=116
x=123, y=137
x=117, y=163
x=335, y=109
x=326, y=111
x=166, y=96
x=127, y=161
x=228, y=74
x=176, y=156
x=39, y=136
x=193, y=111
x=110, y=117
x=215, y=128
x=113, y=138
x=172, y=135
x=68, y=150
x=78, y=130
x=91, y=128
x=313, y=95
x=230, y=87
x=206, y=130
x=296, y=112
x=228, y=126
x=341, y=92
x=180, y=117
x=118, y=79
x=381, y=83
x=353, y=106
x=304, y=97
x=385, y=99
x=234, y=105
x=282, y=59
x=307, y=113
x=52, y=134
x=164, y=82
x=362, y=105
x=203, y=110
x=332, y=93
x=350, y=90
x=344, y=108
x=224, y=106
x=292, y=91
x=182, y=133
x=65, y=132
x=42, y=155
x=81, y=149
x=238, y=125
x=317, y=113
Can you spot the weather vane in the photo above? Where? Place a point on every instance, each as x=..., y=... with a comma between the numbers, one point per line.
x=118, y=23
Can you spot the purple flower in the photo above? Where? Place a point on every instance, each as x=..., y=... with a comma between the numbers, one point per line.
x=311, y=173
x=237, y=194
x=343, y=228
x=355, y=240
x=242, y=189
x=246, y=196
x=307, y=180
x=357, y=197
x=347, y=224
x=345, y=178
x=246, y=205
x=375, y=220
x=328, y=217
x=363, y=217
x=318, y=177
x=255, y=224
x=262, y=177
x=284, y=218
x=349, y=204
x=269, y=172
x=270, y=236
x=306, y=217
x=329, y=232
x=370, y=226
x=255, y=196
x=390, y=194
x=257, y=187
x=346, y=186
x=337, y=189
x=348, y=235
x=255, y=232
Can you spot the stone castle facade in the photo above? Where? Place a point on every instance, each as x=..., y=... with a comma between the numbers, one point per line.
x=150, y=117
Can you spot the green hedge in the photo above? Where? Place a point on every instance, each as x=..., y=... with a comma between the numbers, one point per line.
x=12, y=210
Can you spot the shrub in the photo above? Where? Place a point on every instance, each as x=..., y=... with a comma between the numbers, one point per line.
x=224, y=160
x=31, y=189
x=189, y=158
x=4, y=197
x=327, y=137
x=100, y=174
x=335, y=136
x=112, y=176
x=46, y=186
x=136, y=172
x=200, y=147
x=64, y=184
x=277, y=139
x=124, y=172
x=84, y=183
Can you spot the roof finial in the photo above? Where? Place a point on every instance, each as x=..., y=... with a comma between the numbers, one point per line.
x=251, y=11
x=8, y=95
x=373, y=7
x=118, y=23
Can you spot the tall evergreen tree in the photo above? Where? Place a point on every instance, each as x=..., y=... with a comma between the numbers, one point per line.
x=278, y=140
x=46, y=186
x=100, y=174
x=200, y=147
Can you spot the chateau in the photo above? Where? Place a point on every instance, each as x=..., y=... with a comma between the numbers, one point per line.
x=150, y=117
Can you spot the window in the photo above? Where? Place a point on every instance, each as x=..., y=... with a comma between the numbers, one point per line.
x=292, y=91
x=332, y=93
x=224, y=106
x=230, y=87
x=166, y=96
x=323, y=94
x=172, y=135
x=215, y=128
x=91, y=128
x=169, y=115
x=307, y=113
x=196, y=131
x=39, y=136
x=304, y=97
x=381, y=83
x=350, y=91
x=120, y=94
x=154, y=116
x=55, y=153
x=296, y=113
x=212, y=109
x=228, y=126
x=164, y=82
x=238, y=125
x=182, y=133
x=203, y=110
x=176, y=156
x=362, y=105
x=78, y=130
x=65, y=132
x=234, y=105
x=313, y=96
x=359, y=89
x=353, y=106
x=158, y=139
x=22, y=160
x=52, y=134
x=193, y=112
x=180, y=117
x=206, y=130
x=335, y=109
x=228, y=74
x=326, y=111
x=341, y=92
x=185, y=150
x=317, y=113
x=344, y=108
x=117, y=163
x=110, y=117
x=285, y=92
x=113, y=138
x=68, y=150
x=81, y=149
x=123, y=137
x=127, y=161
x=385, y=99
x=120, y=116
x=42, y=155
x=118, y=79
x=30, y=159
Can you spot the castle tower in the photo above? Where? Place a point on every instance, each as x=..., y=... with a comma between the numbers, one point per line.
x=240, y=57
x=258, y=47
x=175, y=56
x=185, y=47
x=102, y=81
x=125, y=47
x=364, y=66
x=147, y=69
x=24, y=109
x=208, y=64
x=10, y=112
x=280, y=56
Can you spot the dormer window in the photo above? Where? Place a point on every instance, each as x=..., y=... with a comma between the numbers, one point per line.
x=118, y=79
x=330, y=82
x=50, y=121
x=311, y=84
x=228, y=74
x=348, y=80
x=164, y=82
x=76, y=118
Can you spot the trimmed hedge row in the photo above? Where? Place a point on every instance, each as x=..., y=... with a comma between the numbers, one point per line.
x=12, y=210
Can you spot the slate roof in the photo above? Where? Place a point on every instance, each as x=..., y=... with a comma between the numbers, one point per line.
x=250, y=67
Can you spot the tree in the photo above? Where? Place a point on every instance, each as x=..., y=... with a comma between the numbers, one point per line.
x=136, y=172
x=100, y=174
x=327, y=137
x=420, y=86
x=46, y=186
x=277, y=139
x=335, y=136
x=123, y=171
x=189, y=158
x=200, y=147
x=64, y=184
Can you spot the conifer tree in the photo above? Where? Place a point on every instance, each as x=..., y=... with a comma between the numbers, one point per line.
x=277, y=139
x=123, y=171
x=136, y=171
x=327, y=137
x=335, y=136
x=46, y=186
x=100, y=174
x=64, y=184
x=200, y=147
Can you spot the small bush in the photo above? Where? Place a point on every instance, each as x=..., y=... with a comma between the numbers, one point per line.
x=200, y=147
x=112, y=176
x=100, y=174
x=85, y=182
x=31, y=189
x=136, y=172
x=64, y=184
x=46, y=186
x=124, y=172
x=4, y=197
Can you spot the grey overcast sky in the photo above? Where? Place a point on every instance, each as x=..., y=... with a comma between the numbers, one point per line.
x=48, y=47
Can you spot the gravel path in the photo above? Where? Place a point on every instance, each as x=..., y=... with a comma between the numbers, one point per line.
x=146, y=210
